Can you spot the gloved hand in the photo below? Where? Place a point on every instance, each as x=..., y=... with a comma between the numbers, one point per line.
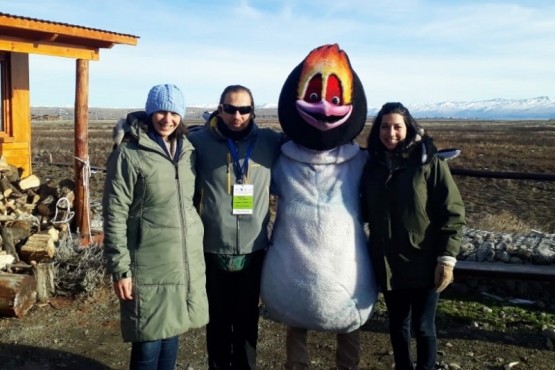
x=443, y=276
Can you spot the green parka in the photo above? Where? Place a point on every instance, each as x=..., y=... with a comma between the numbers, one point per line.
x=153, y=233
x=227, y=233
x=415, y=214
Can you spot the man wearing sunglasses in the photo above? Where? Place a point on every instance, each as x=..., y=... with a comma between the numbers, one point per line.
x=234, y=159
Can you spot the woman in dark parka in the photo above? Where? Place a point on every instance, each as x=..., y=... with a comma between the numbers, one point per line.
x=415, y=215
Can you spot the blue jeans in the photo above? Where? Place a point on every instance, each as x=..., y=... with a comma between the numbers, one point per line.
x=156, y=355
x=416, y=309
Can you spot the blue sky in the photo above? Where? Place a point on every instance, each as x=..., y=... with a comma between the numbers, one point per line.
x=413, y=51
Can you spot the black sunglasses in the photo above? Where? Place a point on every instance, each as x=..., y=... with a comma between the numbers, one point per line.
x=232, y=109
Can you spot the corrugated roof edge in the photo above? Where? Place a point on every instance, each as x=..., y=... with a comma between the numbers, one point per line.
x=66, y=24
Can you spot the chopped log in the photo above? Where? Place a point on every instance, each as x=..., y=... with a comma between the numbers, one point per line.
x=10, y=204
x=18, y=293
x=32, y=197
x=44, y=274
x=8, y=242
x=24, y=228
x=54, y=233
x=4, y=165
x=19, y=231
x=28, y=208
x=39, y=247
x=22, y=206
x=6, y=187
x=48, y=199
x=20, y=268
x=30, y=182
x=70, y=196
x=6, y=259
x=9, y=171
x=63, y=227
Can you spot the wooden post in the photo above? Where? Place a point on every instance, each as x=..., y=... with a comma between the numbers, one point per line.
x=81, y=204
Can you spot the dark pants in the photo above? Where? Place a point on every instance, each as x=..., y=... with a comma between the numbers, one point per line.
x=232, y=331
x=416, y=309
x=347, y=353
x=155, y=355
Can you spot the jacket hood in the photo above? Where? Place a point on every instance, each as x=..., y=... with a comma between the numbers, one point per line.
x=420, y=150
x=130, y=127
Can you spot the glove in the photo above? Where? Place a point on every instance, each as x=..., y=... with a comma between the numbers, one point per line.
x=443, y=276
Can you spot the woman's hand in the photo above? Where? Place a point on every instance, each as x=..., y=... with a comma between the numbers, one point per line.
x=123, y=289
x=443, y=277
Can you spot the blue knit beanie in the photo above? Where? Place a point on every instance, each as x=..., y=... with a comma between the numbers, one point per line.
x=165, y=98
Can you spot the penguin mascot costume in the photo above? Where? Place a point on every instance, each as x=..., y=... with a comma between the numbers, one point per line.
x=317, y=273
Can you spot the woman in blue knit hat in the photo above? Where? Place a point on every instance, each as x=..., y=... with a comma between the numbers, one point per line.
x=153, y=234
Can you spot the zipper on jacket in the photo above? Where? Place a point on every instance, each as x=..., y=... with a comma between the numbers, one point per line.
x=387, y=216
x=237, y=239
x=389, y=176
x=187, y=281
x=228, y=173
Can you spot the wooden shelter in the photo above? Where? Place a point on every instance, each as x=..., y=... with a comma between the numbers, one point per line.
x=21, y=36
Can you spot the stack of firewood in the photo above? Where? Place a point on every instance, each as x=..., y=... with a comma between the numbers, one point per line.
x=32, y=218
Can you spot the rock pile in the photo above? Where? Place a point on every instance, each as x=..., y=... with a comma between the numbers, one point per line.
x=485, y=246
x=535, y=248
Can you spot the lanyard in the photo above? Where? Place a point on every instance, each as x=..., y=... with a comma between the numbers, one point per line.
x=240, y=170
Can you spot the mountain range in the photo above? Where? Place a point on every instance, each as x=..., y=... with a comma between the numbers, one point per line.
x=540, y=108
x=535, y=108
x=494, y=109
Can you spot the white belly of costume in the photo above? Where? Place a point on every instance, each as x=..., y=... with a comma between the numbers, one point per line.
x=317, y=273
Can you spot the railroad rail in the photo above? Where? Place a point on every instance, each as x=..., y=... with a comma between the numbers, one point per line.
x=505, y=270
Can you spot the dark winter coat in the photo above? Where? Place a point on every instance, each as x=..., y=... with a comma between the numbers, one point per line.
x=415, y=214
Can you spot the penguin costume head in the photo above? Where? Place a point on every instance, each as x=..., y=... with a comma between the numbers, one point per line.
x=322, y=104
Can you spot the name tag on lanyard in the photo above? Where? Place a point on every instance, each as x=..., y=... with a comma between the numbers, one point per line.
x=243, y=199
x=243, y=194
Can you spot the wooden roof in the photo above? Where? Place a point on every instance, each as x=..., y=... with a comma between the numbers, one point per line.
x=37, y=36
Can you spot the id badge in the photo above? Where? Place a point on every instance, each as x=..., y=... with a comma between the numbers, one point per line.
x=243, y=199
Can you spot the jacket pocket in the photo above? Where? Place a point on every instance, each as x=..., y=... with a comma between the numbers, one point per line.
x=416, y=239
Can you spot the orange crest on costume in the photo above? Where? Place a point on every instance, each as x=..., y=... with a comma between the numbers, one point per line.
x=332, y=66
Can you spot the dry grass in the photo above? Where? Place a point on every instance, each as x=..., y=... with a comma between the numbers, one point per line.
x=504, y=221
x=491, y=204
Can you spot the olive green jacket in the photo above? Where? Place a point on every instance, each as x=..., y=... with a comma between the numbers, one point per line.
x=226, y=233
x=415, y=214
x=153, y=233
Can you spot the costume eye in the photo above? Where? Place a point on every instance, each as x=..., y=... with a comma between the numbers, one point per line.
x=333, y=90
x=314, y=90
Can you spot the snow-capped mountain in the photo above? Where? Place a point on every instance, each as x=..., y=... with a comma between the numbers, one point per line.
x=535, y=108
x=499, y=109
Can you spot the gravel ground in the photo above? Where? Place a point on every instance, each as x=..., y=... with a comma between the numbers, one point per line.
x=84, y=334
